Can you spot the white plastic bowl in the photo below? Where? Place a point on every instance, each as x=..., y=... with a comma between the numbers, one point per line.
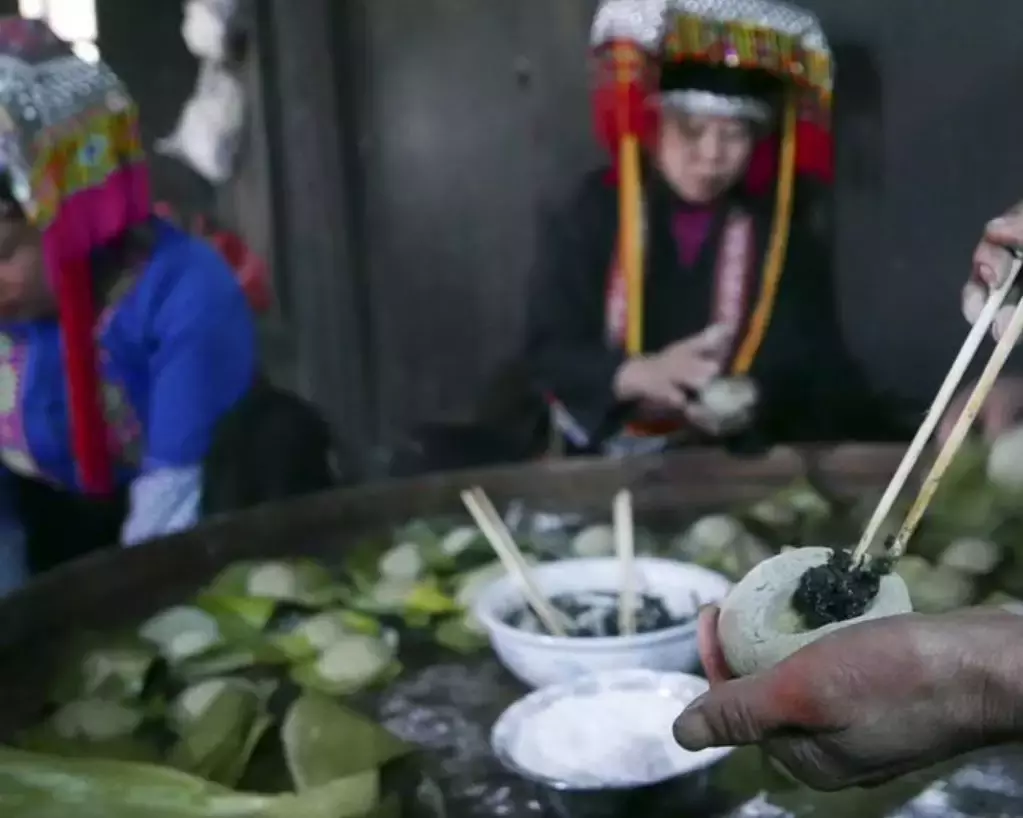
x=540, y=659
x=666, y=760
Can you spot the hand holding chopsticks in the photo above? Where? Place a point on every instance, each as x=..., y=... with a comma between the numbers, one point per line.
x=497, y=534
x=962, y=427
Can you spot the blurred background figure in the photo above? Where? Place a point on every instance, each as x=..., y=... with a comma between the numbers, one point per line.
x=128, y=352
x=733, y=325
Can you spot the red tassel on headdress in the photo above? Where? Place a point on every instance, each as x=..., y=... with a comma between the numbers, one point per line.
x=618, y=110
x=88, y=427
x=87, y=220
x=622, y=102
x=815, y=158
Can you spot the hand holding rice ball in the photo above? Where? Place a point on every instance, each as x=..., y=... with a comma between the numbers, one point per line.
x=724, y=406
x=798, y=597
x=686, y=377
x=836, y=681
x=867, y=701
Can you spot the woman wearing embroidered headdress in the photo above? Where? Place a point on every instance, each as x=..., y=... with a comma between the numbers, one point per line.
x=128, y=356
x=687, y=291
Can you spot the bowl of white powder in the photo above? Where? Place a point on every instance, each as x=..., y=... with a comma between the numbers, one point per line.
x=606, y=733
x=670, y=592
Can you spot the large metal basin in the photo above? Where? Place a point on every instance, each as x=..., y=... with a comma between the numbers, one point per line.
x=113, y=587
x=116, y=587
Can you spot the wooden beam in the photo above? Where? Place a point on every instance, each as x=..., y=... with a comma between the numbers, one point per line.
x=315, y=218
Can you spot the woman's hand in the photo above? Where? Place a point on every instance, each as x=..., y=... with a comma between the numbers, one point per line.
x=870, y=702
x=991, y=263
x=663, y=379
x=1001, y=411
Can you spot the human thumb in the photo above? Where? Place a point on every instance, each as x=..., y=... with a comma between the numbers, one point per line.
x=1006, y=231
x=692, y=730
x=711, y=338
x=974, y=298
x=730, y=714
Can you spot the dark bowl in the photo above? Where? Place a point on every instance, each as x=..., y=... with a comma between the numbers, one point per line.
x=685, y=795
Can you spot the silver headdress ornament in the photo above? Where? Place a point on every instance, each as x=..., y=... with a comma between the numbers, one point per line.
x=649, y=24
x=645, y=22
x=638, y=21
x=707, y=103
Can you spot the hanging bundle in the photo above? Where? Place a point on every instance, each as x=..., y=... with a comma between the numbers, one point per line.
x=208, y=134
x=209, y=29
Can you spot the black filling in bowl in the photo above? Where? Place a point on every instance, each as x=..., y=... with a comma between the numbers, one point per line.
x=836, y=591
x=595, y=614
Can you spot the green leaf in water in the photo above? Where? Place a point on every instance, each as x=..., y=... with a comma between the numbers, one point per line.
x=301, y=582
x=427, y=598
x=251, y=613
x=232, y=582
x=469, y=584
x=224, y=659
x=234, y=772
x=806, y=501
x=113, y=669
x=194, y=702
x=362, y=561
x=218, y=661
x=418, y=600
x=88, y=721
x=352, y=663
x=464, y=540
x=318, y=632
x=420, y=532
x=402, y=562
x=461, y=634
x=43, y=738
x=181, y=632
x=325, y=742
x=39, y=786
x=216, y=721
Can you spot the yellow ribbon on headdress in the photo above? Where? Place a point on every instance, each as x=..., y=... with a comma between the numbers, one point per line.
x=629, y=61
x=778, y=247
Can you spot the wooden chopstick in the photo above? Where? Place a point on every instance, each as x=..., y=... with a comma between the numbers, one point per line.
x=496, y=533
x=625, y=547
x=504, y=535
x=961, y=429
x=551, y=616
x=937, y=410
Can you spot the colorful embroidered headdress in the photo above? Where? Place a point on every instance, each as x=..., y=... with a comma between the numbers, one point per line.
x=711, y=56
x=71, y=149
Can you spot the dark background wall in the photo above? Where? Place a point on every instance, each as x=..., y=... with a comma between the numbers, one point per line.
x=422, y=152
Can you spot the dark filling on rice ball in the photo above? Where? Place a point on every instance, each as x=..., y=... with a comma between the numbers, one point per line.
x=836, y=591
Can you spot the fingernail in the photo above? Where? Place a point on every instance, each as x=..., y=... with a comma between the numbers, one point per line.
x=692, y=730
x=995, y=224
x=1002, y=320
x=973, y=302
x=987, y=273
